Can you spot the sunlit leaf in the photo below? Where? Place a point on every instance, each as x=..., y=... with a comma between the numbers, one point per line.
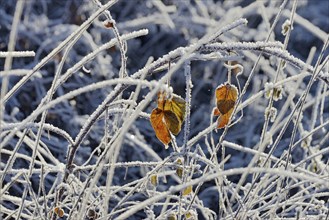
x=168, y=117
x=172, y=121
x=160, y=127
x=226, y=96
x=177, y=105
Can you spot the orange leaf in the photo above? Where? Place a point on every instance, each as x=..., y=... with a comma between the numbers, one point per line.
x=226, y=96
x=159, y=126
x=224, y=119
x=168, y=117
x=216, y=112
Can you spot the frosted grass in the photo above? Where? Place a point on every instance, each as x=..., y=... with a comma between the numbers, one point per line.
x=77, y=92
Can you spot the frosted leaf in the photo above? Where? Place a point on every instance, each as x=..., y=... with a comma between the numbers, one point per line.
x=306, y=142
x=172, y=216
x=283, y=64
x=268, y=89
x=179, y=170
x=187, y=190
x=170, y=91
x=191, y=215
x=268, y=139
x=270, y=113
x=285, y=27
x=295, y=116
x=313, y=166
x=277, y=93
x=154, y=179
x=73, y=102
x=268, y=86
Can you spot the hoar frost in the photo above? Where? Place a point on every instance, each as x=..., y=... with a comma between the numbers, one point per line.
x=270, y=113
x=285, y=27
x=275, y=91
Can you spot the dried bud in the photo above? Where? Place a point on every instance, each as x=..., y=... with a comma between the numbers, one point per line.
x=286, y=27
x=108, y=24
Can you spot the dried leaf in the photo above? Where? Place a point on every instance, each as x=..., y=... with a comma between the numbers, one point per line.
x=159, y=126
x=154, y=179
x=187, y=191
x=226, y=96
x=59, y=212
x=168, y=117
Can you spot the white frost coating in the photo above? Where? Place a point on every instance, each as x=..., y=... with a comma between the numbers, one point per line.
x=219, y=173
x=57, y=49
x=133, y=136
x=271, y=113
x=4, y=54
x=325, y=76
x=286, y=26
x=72, y=70
x=243, y=45
x=268, y=89
x=188, y=94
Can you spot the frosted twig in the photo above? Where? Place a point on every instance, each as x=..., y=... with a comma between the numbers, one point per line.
x=221, y=173
x=123, y=49
x=7, y=67
x=4, y=54
x=46, y=126
x=82, y=28
x=65, y=76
